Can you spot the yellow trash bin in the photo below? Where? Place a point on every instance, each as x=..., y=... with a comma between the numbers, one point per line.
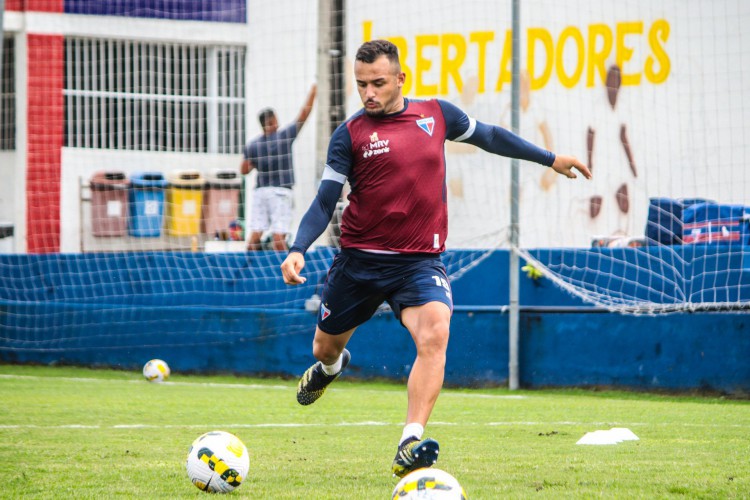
x=184, y=202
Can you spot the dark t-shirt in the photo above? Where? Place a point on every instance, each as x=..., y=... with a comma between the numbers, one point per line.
x=272, y=157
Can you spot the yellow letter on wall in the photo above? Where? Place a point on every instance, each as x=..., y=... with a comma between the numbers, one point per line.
x=423, y=65
x=624, y=53
x=535, y=35
x=598, y=55
x=366, y=31
x=505, y=73
x=451, y=66
x=573, y=33
x=659, y=32
x=481, y=38
x=403, y=52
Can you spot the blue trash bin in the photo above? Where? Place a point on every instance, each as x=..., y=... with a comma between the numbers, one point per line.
x=146, y=200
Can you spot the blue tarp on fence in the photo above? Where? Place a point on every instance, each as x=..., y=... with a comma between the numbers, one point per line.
x=232, y=313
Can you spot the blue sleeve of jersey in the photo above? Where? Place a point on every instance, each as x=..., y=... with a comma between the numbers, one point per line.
x=340, y=151
x=504, y=142
x=456, y=121
x=491, y=138
x=317, y=217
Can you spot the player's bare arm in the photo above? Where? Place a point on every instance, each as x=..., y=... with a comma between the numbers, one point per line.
x=564, y=165
x=246, y=166
x=304, y=113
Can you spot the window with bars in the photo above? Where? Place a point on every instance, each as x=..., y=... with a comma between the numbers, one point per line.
x=154, y=96
x=8, y=96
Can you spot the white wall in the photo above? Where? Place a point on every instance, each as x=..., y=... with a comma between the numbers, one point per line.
x=688, y=132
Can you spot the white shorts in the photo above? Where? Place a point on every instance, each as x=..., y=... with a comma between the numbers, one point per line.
x=271, y=210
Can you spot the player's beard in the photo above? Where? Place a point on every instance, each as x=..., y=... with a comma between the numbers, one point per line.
x=374, y=112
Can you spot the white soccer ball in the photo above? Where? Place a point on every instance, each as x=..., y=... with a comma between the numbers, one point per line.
x=156, y=370
x=430, y=483
x=217, y=462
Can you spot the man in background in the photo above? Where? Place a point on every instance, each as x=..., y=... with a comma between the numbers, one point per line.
x=271, y=155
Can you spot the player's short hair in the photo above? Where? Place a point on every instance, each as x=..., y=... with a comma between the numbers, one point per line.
x=369, y=51
x=265, y=115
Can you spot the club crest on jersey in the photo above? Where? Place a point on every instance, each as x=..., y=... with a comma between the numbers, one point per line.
x=427, y=124
x=324, y=312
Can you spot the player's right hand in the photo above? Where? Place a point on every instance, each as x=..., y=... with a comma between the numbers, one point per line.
x=291, y=268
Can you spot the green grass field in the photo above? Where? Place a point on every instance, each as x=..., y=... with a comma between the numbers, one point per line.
x=78, y=433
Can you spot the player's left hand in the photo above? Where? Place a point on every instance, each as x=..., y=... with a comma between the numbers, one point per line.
x=565, y=164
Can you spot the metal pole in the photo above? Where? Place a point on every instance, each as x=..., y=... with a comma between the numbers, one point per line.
x=513, y=330
x=331, y=88
x=2, y=43
x=323, y=99
x=330, y=76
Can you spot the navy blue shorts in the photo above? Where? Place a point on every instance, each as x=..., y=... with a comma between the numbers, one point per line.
x=359, y=282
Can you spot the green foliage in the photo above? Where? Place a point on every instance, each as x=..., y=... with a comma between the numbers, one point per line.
x=77, y=433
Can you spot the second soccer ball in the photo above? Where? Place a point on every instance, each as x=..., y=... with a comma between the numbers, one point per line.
x=156, y=370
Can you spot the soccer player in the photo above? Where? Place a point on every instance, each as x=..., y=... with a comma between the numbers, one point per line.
x=393, y=232
x=271, y=155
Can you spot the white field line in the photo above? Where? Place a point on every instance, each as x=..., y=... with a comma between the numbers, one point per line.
x=253, y=386
x=195, y=426
x=369, y=424
x=102, y=380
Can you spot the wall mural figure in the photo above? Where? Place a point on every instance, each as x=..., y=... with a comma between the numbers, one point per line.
x=609, y=207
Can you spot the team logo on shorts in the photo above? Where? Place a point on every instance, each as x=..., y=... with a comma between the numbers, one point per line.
x=324, y=312
x=427, y=124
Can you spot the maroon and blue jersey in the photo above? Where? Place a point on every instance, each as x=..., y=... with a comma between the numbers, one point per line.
x=396, y=169
x=395, y=165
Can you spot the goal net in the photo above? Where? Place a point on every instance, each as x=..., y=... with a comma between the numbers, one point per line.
x=649, y=95
x=124, y=126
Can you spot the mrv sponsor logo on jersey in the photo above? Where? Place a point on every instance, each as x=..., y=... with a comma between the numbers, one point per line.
x=376, y=147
